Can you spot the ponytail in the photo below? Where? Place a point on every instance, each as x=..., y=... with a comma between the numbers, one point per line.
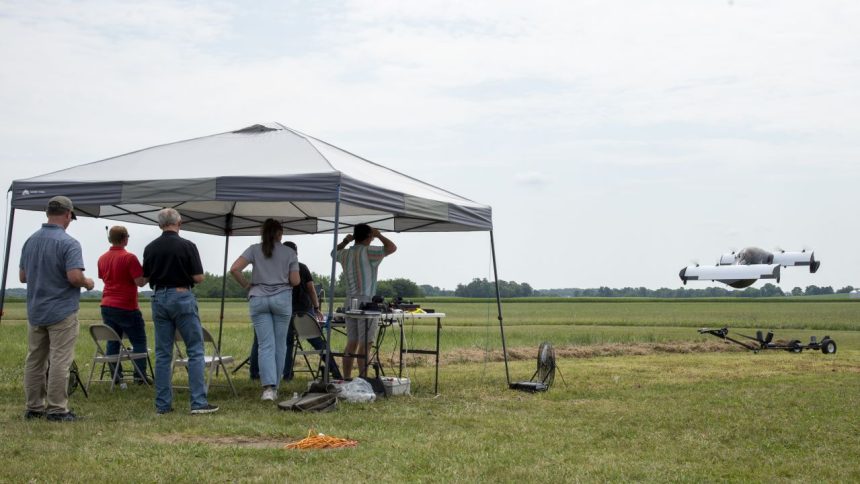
x=270, y=233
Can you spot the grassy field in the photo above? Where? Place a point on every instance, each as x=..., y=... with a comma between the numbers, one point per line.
x=636, y=416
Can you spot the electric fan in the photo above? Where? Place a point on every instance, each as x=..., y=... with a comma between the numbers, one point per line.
x=544, y=375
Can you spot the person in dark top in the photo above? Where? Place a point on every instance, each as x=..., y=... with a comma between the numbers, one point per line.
x=171, y=266
x=304, y=301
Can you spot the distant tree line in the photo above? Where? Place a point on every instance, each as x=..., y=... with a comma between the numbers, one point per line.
x=767, y=290
x=435, y=291
x=483, y=288
x=211, y=286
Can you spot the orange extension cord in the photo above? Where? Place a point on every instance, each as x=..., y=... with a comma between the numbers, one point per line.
x=321, y=441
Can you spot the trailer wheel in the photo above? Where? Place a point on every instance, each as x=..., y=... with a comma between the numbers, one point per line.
x=828, y=346
x=795, y=346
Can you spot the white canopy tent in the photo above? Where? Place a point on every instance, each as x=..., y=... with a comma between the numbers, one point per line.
x=229, y=183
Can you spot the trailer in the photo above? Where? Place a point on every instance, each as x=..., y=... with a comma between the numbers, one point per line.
x=766, y=342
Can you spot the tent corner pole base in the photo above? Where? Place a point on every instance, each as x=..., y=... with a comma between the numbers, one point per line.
x=499, y=308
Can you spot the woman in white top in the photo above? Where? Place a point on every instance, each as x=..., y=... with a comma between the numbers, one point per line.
x=270, y=300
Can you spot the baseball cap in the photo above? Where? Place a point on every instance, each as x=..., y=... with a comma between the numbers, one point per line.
x=61, y=204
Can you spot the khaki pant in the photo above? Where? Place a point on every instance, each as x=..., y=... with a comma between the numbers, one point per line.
x=55, y=344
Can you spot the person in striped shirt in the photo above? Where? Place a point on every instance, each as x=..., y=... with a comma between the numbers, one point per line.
x=360, y=264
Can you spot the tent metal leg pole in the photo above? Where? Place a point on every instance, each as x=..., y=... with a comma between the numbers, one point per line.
x=6, y=261
x=227, y=231
x=499, y=307
x=330, y=316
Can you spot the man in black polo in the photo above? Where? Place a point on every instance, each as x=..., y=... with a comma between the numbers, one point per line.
x=172, y=266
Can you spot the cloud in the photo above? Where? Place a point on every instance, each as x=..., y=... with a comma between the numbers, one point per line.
x=532, y=179
x=175, y=22
x=560, y=67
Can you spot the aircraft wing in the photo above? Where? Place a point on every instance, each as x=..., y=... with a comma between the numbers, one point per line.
x=731, y=275
x=803, y=258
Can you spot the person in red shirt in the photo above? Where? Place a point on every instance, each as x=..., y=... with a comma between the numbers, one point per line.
x=122, y=274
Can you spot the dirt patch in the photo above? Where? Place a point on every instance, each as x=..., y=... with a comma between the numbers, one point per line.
x=477, y=355
x=234, y=441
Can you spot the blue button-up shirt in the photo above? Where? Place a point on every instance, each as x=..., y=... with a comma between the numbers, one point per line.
x=46, y=257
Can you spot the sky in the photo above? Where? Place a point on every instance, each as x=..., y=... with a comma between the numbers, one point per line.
x=616, y=141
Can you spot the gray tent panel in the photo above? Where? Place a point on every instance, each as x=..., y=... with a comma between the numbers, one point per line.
x=35, y=195
x=421, y=207
x=479, y=217
x=169, y=190
x=361, y=194
x=308, y=187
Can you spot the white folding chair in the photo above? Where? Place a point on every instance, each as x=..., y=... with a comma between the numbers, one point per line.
x=306, y=327
x=102, y=335
x=212, y=361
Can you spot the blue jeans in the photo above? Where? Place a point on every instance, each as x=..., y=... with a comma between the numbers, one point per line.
x=177, y=311
x=271, y=318
x=128, y=322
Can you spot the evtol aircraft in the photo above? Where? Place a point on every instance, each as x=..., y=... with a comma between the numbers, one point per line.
x=742, y=268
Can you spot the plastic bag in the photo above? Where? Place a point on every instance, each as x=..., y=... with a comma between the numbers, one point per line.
x=357, y=391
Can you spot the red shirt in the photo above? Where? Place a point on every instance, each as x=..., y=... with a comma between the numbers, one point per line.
x=118, y=268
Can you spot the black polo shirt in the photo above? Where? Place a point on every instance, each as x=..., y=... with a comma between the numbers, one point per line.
x=301, y=299
x=171, y=261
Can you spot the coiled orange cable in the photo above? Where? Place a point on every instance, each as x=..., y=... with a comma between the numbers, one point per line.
x=321, y=441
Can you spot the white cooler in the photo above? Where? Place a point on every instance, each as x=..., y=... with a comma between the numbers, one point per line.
x=395, y=386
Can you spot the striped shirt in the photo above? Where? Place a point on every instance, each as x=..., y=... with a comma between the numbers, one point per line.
x=360, y=264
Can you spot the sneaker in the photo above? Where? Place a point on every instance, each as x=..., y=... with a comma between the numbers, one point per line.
x=141, y=381
x=62, y=417
x=31, y=414
x=269, y=394
x=162, y=411
x=209, y=408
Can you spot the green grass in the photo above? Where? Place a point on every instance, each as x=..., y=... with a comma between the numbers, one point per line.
x=795, y=313
x=661, y=417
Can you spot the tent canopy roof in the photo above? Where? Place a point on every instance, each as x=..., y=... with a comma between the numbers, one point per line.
x=231, y=182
